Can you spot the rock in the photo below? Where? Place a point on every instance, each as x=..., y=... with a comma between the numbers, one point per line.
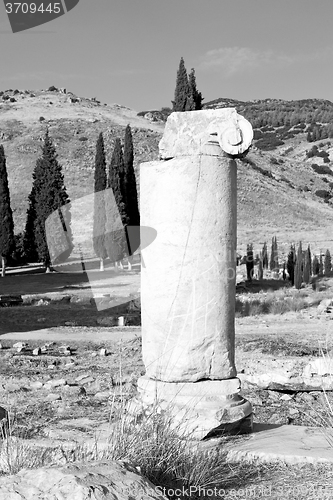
x=53, y=397
x=324, y=305
x=47, y=346
x=103, y=352
x=293, y=411
x=20, y=345
x=36, y=385
x=71, y=323
x=84, y=379
x=11, y=387
x=55, y=383
x=102, y=395
x=65, y=350
x=69, y=365
x=100, y=480
x=286, y=397
x=37, y=351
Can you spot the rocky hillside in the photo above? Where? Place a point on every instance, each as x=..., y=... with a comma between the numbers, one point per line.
x=285, y=183
x=74, y=124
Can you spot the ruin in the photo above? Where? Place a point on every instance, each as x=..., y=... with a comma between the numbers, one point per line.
x=188, y=283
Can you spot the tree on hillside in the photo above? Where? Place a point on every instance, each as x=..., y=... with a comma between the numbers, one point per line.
x=99, y=202
x=249, y=262
x=315, y=265
x=274, y=262
x=260, y=267
x=131, y=195
x=195, y=96
x=29, y=245
x=49, y=196
x=327, y=263
x=182, y=88
x=7, y=242
x=307, y=267
x=321, y=267
x=187, y=97
x=265, y=256
x=299, y=267
x=310, y=260
x=291, y=264
x=116, y=217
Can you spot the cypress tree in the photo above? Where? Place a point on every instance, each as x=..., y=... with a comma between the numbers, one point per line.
x=306, y=270
x=310, y=260
x=182, y=89
x=116, y=217
x=315, y=265
x=265, y=256
x=299, y=267
x=99, y=202
x=30, y=253
x=7, y=242
x=321, y=267
x=327, y=263
x=131, y=195
x=249, y=262
x=291, y=264
x=274, y=263
x=196, y=97
x=50, y=196
x=260, y=267
x=276, y=255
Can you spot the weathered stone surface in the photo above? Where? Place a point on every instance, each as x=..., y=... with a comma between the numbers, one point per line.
x=104, y=480
x=84, y=379
x=196, y=408
x=53, y=397
x=36, y=385
x=188, y=282
x=305, y=373
x=189, y=133
x=291, y=444
x=20, y=345
x=55, y=383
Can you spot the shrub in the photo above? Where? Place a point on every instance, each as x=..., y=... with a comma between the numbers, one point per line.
x=322, y=193
x=52, y=89
x=321, y=169
x=83, y=139
x=41, y=118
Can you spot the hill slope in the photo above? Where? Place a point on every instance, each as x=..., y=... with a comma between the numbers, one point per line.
x=280, y=192
x=74, y=124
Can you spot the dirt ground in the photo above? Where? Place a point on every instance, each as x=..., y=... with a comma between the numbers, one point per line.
x=94, y=385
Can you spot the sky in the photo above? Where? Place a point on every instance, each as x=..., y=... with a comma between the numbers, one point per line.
x=128, y=51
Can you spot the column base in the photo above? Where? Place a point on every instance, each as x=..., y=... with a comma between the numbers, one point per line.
x=198, y=410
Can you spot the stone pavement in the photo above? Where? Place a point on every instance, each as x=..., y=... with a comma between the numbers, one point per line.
x=291, y=444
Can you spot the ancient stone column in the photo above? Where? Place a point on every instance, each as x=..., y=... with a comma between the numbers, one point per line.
x=188, y=282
